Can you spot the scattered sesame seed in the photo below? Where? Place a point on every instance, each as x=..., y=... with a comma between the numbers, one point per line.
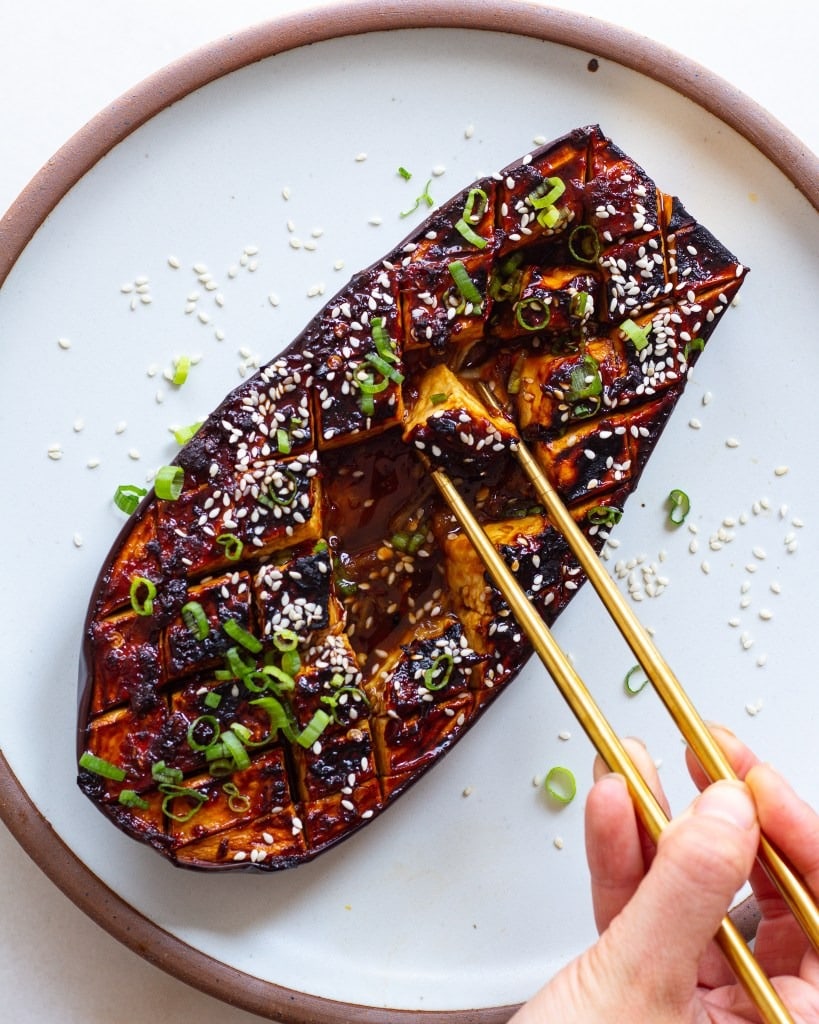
x=564, y=735
x=467, y=791
x=64, y=344
x=765, y=614
x=694, y=423
x=360, y=158
x=77, y=540
x=93, y=463
x=469, y=131
x=55, y=452
x=558, y=842
x=79, y=424
x=375, y=221
x=173, y=263
x=781, y=470
x=120, y=427
x=133, y=454
x=731, y=442
x=760, y=553
x=706, y=567
x=706, y=398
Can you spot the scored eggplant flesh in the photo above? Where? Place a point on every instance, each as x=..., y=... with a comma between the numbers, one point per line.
x=271, y=658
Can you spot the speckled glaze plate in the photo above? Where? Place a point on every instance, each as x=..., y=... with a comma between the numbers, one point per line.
x=212, y=211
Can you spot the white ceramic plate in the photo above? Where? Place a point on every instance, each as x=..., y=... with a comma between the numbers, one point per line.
x=449, y=902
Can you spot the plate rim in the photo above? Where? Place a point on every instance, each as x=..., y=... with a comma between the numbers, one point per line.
x=584, y=33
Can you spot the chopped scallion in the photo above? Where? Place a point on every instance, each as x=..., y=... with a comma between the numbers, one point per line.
x=465, y=284
x=314, y=728
x=127, y=497
x=438, y=674
x=679, y=505
x=172, y=793
x=560, y=783
x=99, y=766
x=142, y=593
x=193, y=615
x=584, y=244
x=237, y=802
x=207, y=724
x=168, y=482
x=637, y=335
x=181, y=368
x=236, y=631
x=232, y=545
x=130, y=798
x=212, y=699
x=635, y=680
x=183, y=434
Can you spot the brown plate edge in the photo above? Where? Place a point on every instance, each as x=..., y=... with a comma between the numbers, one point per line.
x=582, y=32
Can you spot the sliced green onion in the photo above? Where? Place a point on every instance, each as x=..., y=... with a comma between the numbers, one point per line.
x=382, y=340
x=465, y=284
x=585, y=380
x=466, y=231
x=282, y=681
x=283, y=441
x=437, y=675
x=285, y=640
x=127, y=497
x=236, y=750
x=239, y=664
x=384, y=368
x=679, y=506
x=183, y=434
x=279, y=717
x=130, y=798
x=236, y=631
x=237, y=802
x=578, y=304
x=438, y=398
x=193, y=615
x=425, y=197
x=584, y=244
x=212, y=699
x=541, y=200
x=181, y=368
x=604, y=515
x=515, y=374
x=314, y=728
x=291, y=663
x=560, y=783
x=169, y=482
x=142, y=594
x=695, y=345
x=208, y=722
x=636, y=334
x=635, y=680
x=400, y=540
x=271, y=498
x=172, y=792
x=537, y=313
x=161, y=773
x=404, y=173
x=99, y=766
x=232, y=545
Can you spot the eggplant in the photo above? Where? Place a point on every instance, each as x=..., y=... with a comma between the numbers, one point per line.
x=280, y=644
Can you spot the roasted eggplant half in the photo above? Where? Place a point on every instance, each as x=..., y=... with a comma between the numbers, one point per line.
x=292, y=628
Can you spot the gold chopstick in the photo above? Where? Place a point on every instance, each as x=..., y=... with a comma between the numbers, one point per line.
x=605, y=740
x=671, y=693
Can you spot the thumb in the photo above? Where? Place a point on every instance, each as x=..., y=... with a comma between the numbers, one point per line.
x=703, y=857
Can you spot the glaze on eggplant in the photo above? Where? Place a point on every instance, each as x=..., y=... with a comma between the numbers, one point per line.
x=272, y=658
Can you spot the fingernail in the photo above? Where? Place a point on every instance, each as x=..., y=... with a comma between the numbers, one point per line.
x=729, y=801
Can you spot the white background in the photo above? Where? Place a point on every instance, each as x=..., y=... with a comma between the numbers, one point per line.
x=60, y=64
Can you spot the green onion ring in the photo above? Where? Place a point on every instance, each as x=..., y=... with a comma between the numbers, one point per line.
x=181, y=368
x=636, y=334
x=436, y=677
x=232, y=545
x=130, y=798
x=632, y=685
x=172, y=793
x=538, y=307
x=314, y=728
x=237, y=802
x=212, y=723
x=127, y=497
x=142, y=605
x=560, y=783
x=236, y=750
x=584, y=244
x=193, y=615
x=285, y=639
x=679, y=506
x=183, y=434
x=169, y=482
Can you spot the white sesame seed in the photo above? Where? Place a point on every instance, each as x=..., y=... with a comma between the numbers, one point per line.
x=360, y=158
x=781, y=470
x=93, y=463
x=760, y=553
x=469, y=131
x=77, y=540
x=64, y=343
x=694, y=423
x=55, y=451
x=731, y=442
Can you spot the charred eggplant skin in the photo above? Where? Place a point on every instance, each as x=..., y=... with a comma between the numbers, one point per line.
x=271, y=658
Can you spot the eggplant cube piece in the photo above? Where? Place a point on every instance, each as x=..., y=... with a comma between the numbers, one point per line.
x=454, y=429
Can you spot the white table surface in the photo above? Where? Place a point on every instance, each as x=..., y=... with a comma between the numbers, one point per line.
x=60, y=64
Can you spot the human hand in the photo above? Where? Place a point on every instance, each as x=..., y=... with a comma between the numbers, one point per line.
x=657, y=910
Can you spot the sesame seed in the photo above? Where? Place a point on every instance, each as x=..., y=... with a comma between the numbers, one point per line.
x=781, y=470
x=731, y=442
x=64, y=344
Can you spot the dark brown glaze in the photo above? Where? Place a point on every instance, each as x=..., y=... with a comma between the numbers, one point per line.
x=346, y=634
